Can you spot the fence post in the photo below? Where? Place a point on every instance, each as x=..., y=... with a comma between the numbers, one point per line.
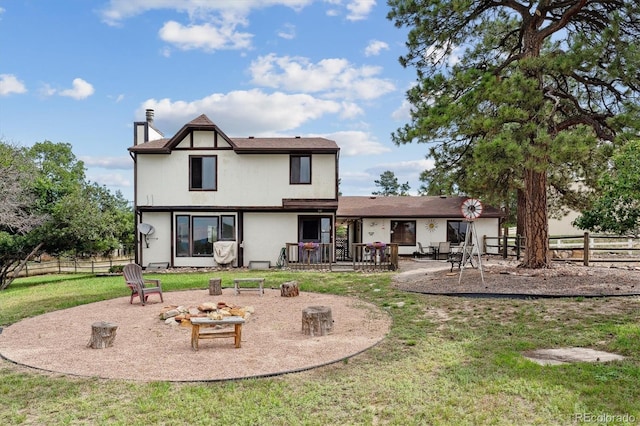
x=585, y=260
x=518, y=247
x=505, y=241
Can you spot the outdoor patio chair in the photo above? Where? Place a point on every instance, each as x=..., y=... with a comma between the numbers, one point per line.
x=444, y=248
x=422, y=252
x=138, y=284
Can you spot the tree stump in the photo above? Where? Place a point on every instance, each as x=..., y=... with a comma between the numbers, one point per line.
x=317, y=321
x=215, y=286
x=289, y=289
x=102, y=335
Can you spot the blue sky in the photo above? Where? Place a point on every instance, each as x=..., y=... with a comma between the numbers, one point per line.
x=81, y=72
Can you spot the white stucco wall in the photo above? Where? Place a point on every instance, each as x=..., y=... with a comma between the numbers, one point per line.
x=159, y=249
x=266, y=233
x=160, y=242
x=563, y=226
x=379, y=229
x=243, y=180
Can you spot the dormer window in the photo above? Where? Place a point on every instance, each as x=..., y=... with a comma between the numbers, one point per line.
x=203, y=173
x=300, y=169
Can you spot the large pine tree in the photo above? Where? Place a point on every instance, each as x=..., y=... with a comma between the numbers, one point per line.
x=547, y=83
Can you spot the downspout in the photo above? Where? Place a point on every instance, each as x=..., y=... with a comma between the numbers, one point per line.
x=136, y=212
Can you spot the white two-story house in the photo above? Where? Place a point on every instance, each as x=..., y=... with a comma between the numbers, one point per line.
x=201, y=195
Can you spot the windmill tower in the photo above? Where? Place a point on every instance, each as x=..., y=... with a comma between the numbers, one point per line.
x=471, y=210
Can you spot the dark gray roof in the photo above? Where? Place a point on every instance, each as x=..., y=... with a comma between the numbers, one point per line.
x=275, y=145
x=250, y=145
x=405, y=207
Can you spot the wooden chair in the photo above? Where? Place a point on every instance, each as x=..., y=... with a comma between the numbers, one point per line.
x=138, y=284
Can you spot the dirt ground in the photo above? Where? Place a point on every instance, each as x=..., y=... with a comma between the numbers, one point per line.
x=504, y=278
x=147, y=349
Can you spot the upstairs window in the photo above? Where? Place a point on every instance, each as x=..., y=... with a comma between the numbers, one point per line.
x=203, y=173
x=300, y=169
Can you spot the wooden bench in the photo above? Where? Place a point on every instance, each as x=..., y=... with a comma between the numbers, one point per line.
x=200, y=322
x=259, y=281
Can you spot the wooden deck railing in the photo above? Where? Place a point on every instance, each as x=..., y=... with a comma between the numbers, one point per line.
x=374, y=257
x=321, y=256
x=306, y=256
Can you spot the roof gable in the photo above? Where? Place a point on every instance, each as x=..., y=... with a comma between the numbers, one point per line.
x=250, y=145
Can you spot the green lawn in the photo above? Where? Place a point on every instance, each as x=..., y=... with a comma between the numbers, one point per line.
x=446, y=361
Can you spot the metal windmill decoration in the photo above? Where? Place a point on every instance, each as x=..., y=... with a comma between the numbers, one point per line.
x=471, y=209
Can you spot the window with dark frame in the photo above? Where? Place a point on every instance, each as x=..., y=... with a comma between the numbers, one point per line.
x=203, y=172
x=204, y=233
x=456, y=231
x=315, y=229
x=227, y=228
x=403, y=232
x=183, y=232
x=195, y=235
x=300, y=169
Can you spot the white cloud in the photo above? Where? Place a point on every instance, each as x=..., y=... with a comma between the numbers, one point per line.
x=207, y=37
x=219, y=18
x=350, y=110
x=404, y=171
x=403, y=112
x=116, y=98
x=243, y=113
x=359, y=9
x=375, y=47
x=118, y=163
x=10, y=84
x=332, y=77
x=404, y=168
x=119, y=10
x=47, y=90
x=165, y=52
x=287, y=32
x=356, y=176
x=80, y=90
x=333, y=12
x=356, y=143
x=111, y=179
